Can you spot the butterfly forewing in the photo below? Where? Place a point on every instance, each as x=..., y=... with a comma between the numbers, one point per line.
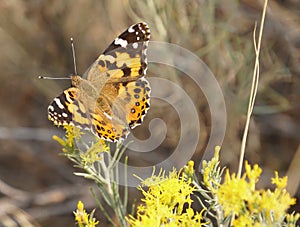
x=125, y=57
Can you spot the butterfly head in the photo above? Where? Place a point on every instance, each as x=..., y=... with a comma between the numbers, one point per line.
x=76, y=80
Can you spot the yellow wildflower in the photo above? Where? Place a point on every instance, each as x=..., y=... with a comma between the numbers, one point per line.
x=189, y=169
x=209, y=171
x=88, y=157
x=253, y=207
x=154, y=179
x=252, y=174
x=279, y=182
x=72, y=133
x=275, y=204
x=164, y=203
x=292, y=219
x=84, y=219
x=233, y=194
x=59, y=140
x=244, y=220
x=92, y=155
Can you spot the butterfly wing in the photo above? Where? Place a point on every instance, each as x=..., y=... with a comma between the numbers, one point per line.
x=118, y=75
x=125, y=59
x=67, y=109
x=72, y=107
x=133, y=101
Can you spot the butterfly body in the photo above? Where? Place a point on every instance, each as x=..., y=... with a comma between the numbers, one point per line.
x=113, y=94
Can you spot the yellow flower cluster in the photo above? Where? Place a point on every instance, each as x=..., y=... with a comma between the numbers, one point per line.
x=167, y=202
x=88, y=157
x=93, y=153
x=252, y=207
x=210, y=171
x=84, y=219
x=188, y=170
x=72, y=133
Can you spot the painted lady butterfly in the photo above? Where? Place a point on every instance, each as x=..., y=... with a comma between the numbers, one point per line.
x=113, y=95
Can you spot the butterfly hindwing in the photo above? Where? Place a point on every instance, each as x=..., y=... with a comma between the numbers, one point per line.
x=135, y=100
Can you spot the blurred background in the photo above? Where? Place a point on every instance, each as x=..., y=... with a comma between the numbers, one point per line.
x=37, y=185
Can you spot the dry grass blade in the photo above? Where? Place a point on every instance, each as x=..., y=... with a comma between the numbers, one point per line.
x=254, y=86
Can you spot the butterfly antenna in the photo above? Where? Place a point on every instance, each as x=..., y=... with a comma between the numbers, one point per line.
x=73, y=54
x=54, y=78
x=74, y=62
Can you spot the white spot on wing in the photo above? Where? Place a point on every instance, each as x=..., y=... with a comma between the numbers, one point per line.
x=57, y=101
x=64, y=115
x=130, y=29
x=51, y=108
x=121, y=42
x=135, y=45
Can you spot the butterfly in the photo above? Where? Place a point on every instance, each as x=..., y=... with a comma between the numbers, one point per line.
x=113, y=95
